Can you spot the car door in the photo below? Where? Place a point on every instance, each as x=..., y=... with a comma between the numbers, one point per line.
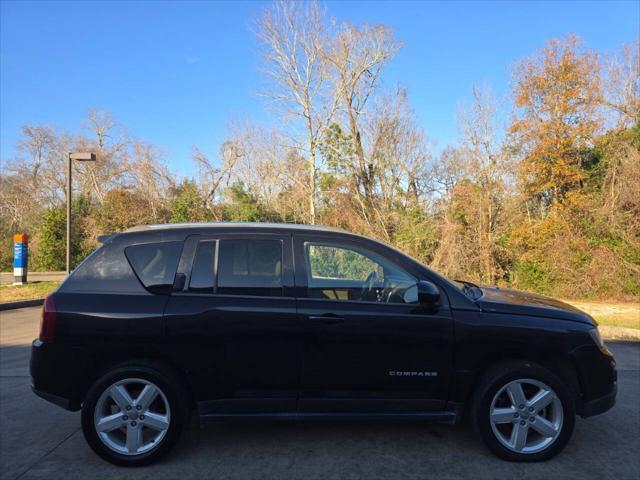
x=234, y=320
x=369, y=346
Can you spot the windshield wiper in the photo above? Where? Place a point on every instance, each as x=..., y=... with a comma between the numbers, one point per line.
x=470, y=289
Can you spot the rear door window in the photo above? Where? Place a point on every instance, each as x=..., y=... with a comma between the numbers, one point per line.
x=155, y=264
x=250, y=267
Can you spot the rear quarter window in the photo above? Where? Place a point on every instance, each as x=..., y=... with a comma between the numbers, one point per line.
x=104, y=271
x=155, y=264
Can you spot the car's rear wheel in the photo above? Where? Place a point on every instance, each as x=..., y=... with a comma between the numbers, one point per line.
x=133, y=415
x=523, y=412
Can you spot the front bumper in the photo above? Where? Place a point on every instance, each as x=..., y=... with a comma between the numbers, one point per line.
x=599, y=405
x=598, y=379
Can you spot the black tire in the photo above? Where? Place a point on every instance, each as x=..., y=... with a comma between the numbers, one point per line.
x=170, y=385
x=494, y=380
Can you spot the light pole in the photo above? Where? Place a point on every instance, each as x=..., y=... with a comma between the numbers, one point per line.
x=81, y=157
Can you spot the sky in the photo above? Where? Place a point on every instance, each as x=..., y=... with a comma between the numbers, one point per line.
x=176, y=73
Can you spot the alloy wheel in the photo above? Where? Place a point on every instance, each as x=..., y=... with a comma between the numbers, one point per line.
x=132, y=416
x=526, y=416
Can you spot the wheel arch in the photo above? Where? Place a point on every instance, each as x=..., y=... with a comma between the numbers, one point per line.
x=104, y=364
x=560, y=365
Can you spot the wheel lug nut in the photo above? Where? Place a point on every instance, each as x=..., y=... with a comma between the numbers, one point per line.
x=125, y=418
x=533, y=419
x=141, y=417
x=521, y=407
x=128, y=407
x=138, y=407
x=521, y=423
x=531, y=409
x=516, y=414
x=133, y=424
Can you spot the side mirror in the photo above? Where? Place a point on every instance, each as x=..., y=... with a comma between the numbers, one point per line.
x=428, y=293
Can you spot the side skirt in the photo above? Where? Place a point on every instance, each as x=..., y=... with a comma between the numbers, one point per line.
x=440, y=417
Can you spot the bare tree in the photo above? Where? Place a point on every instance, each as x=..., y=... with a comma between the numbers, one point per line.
x=15, y=201
x=357, y=56
x=44, y=149
x=150, y=177
x=475, y=179
x=270, y=168
x=294, y=36
x=397, y=155
x=621, y=84
x=621, y=183
x=110, y=143
x=213, y=179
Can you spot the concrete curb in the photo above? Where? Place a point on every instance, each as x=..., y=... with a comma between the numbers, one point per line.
x=619, y=333
x=21, y=304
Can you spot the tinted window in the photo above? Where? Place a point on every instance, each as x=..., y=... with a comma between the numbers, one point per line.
x=327, y=262
x=105, y=270
x=202, y=271
x=250, y=267
x=155, y=263
x=344, y=273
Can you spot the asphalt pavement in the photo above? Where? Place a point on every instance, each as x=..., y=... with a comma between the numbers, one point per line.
x=41, y=441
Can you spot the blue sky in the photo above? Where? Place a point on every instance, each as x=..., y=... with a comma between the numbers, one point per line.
x=175, y=73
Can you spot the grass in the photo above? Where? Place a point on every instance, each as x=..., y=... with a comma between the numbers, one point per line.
x=612, y=314
x=29, y=291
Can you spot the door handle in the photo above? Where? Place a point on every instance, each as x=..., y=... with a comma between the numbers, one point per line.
x=328, y=319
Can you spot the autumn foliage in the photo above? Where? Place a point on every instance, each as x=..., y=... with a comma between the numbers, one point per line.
x=556, y=97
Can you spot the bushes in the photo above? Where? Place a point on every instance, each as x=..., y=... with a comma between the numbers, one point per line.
x=49, y=244
x=533, y=276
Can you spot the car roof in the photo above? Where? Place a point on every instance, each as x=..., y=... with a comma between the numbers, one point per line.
x=234, y=225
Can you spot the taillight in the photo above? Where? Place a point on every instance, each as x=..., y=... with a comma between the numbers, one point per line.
x=48, y=320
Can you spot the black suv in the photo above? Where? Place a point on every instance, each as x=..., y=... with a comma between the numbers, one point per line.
x=294, y=321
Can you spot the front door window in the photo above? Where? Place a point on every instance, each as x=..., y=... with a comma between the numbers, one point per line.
x=348, y=273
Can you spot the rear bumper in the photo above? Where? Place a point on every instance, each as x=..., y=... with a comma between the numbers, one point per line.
x=56, y=373
x=65, y=403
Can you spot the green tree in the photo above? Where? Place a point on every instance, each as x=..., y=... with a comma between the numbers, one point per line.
x=50, y=241
x=336, y=149
x=188, y=204
x=245, y=207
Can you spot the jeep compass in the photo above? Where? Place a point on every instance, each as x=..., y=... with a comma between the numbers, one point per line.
x=291, y=322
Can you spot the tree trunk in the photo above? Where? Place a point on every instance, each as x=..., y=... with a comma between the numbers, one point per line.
x=312, y=187
x=363, y=174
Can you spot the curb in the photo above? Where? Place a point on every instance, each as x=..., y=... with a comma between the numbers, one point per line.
x=621, y=334
x=21, y=304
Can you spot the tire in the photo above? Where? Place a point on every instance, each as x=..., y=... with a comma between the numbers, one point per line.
x=142, y=427
x=501, y=423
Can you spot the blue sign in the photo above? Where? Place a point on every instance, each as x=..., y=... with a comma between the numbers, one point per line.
x=20, y=255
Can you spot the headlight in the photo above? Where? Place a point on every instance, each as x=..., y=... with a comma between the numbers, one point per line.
x=595, y=335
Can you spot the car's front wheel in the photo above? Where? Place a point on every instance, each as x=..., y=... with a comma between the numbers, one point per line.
x=523, y=412
x=133, y=415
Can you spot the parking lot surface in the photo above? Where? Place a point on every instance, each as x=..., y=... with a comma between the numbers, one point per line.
x=41, y=441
